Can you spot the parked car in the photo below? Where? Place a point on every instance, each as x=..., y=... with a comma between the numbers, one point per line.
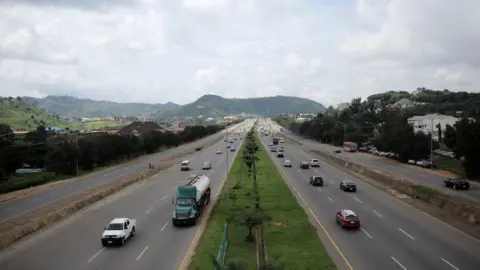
x=316, y=181
x=456, y=183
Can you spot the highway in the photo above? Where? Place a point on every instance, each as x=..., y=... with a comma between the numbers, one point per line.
x=75, y=243
x=393, y=234
x=17, y=207
x=415, y=174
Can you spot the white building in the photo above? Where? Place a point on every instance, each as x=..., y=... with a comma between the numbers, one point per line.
x=426, y=123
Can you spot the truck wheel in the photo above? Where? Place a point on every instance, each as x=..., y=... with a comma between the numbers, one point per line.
x=133, y=232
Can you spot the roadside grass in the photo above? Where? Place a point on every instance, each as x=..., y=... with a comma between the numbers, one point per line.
x=23, y=181
x=238, y=249
x=425, y=190
x=450, y=164
x=291, y=241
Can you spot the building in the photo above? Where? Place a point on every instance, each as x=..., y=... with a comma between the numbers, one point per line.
x=138, y=128
x=426, y=123
x=403, y=103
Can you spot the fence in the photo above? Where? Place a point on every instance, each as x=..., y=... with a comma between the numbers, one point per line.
x=223, y=247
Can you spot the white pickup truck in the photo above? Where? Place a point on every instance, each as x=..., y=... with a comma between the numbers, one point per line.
x=118, y=231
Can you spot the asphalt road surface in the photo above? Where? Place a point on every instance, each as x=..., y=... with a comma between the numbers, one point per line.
x=415, y=174
x=75, y=244
x=17, y=207
x=393, y=234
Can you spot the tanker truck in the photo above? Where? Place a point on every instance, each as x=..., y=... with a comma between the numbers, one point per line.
x=191, y=200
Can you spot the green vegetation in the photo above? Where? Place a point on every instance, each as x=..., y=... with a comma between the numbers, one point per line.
x=238, y=251
x=381, y=121
x=425, y=190
x=260, y=200
x=20, y=115
x=22, y=181
x=60, y=155
x=77, y=107
x=214, y=106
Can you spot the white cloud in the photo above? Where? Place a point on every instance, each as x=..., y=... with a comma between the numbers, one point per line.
x=159, y=51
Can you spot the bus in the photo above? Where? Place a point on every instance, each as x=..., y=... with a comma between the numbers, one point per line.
x=350, y=147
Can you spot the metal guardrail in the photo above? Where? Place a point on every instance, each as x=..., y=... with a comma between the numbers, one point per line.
x=223, y=247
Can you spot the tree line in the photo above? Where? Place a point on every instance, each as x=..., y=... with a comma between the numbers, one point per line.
x=386, y=127
x=62, y=156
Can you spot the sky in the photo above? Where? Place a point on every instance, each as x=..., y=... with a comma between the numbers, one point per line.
x=157, y=51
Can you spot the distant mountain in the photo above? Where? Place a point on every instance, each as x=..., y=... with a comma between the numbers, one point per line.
x=213, y=106
x=68, y=106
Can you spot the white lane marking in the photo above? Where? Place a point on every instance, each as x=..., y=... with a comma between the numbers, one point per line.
x=299, y=171
x=378, y=214
x=357, y=199
x=149, y=209
x=366, y=233
x=96, y=254
x=9, y=208
x=164, y=197
x=145, y=249
x=330, y=199
x=105, y=175
x=398, y=263
x=404, y=232
x=175, y=189
x=164, y=226
x=319, y=189
x=449, y=263
x=331, y=181
x=34, y=199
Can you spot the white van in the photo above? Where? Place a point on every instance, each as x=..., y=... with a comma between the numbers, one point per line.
x=185, y=165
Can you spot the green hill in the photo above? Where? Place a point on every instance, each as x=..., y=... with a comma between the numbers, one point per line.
x=78, y=107
x=215, y=106
x=19, y=114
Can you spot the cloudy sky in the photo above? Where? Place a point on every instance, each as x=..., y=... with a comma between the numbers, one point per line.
x=177, y=50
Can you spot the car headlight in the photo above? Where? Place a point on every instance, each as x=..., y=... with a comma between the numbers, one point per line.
x=174, y=215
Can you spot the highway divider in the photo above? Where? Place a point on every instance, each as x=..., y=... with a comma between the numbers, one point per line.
x=459, y=207
x=267, y=227
x=18, y=228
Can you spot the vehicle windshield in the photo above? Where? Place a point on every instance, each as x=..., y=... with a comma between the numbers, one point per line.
x=184, y=163
x=349, y=183
x=314, y=160
x=352, y=217
x=206, y=163
x=317, y=178
x=115, y=227
x=184, y=201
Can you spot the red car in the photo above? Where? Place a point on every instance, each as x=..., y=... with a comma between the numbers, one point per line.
x=347, y=219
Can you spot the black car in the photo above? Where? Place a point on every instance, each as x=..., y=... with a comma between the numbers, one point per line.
x=348, y=186
x=456, y=183
x=304, y=165
x=316, y=181
x=280, y=154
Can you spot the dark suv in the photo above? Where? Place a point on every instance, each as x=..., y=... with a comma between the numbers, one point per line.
x=304, y=165
x=316, y=181
x=456, y=183
x=348, y=186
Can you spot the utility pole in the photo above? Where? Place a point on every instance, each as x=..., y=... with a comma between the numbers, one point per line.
x=226, y=166
x=76, y=147
x=431, y=144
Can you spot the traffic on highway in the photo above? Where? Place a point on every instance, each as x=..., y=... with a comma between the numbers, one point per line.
x=387, y=233
x=132, y=229
x=16, y=207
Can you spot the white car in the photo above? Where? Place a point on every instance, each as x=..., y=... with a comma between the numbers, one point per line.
x=219, y=151
x=314, y=163
x=118, y=231
x=287, y=163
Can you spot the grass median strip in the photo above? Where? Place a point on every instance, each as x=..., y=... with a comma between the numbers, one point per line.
x=238, y=249
x=291, y=240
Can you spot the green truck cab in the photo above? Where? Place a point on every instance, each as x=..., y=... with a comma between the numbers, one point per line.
x=191, y=200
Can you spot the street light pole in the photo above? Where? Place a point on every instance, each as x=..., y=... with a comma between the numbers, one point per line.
x=226, y=166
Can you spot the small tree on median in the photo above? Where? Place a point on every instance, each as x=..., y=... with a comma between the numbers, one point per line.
x=249, y=219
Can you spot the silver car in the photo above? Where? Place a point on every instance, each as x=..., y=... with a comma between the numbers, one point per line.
x=206, y=166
